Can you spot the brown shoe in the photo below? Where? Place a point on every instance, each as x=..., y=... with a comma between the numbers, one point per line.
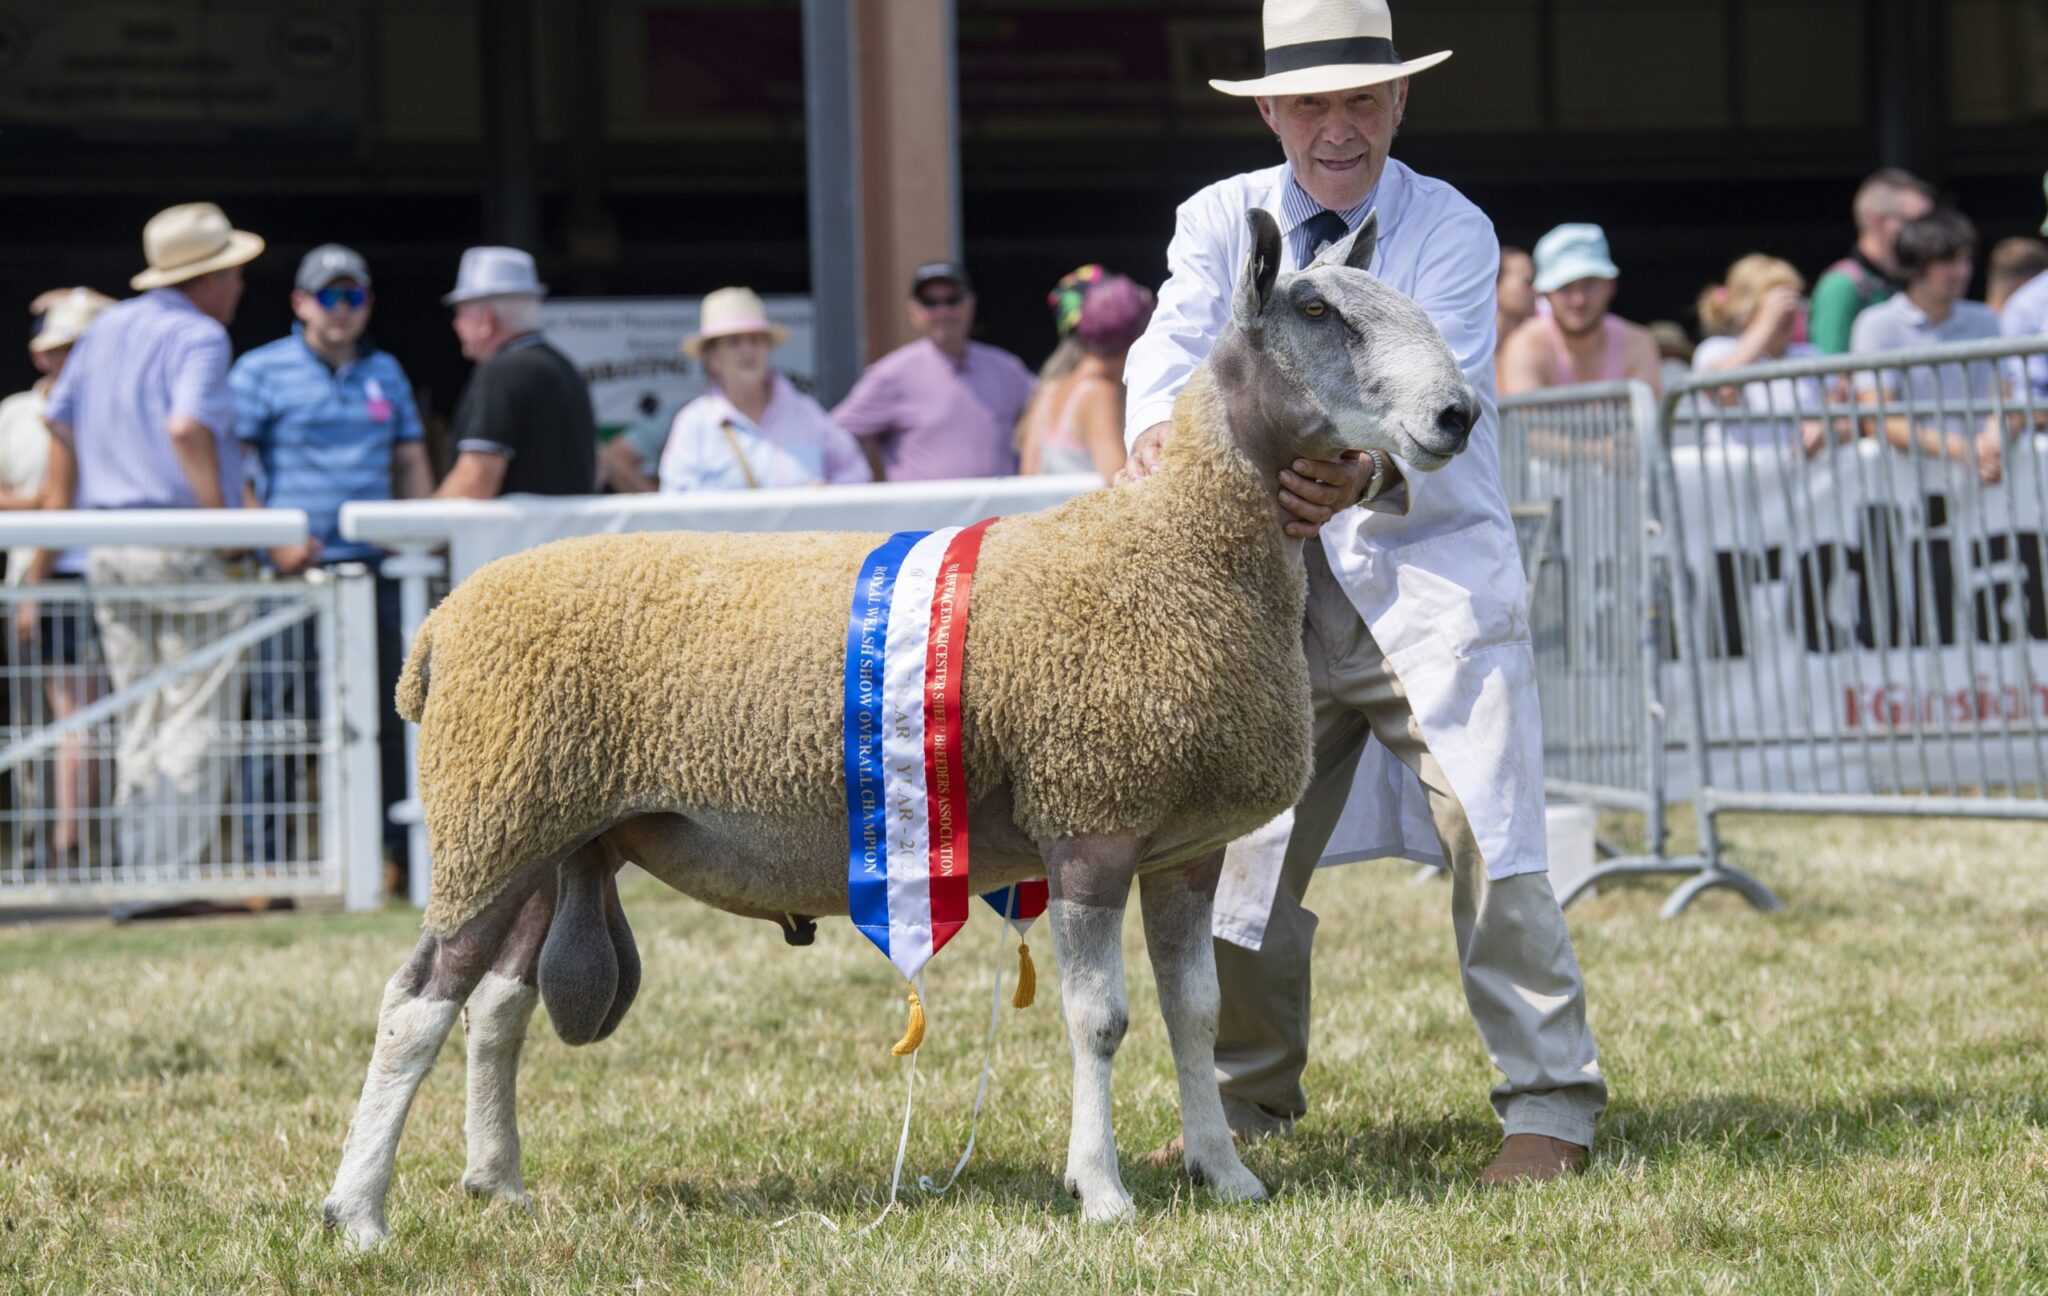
x=1532, y=1158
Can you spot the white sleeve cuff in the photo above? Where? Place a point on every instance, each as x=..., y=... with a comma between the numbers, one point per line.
x=1143, y=416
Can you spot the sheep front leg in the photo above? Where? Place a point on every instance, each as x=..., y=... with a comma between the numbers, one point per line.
x=1176, y=905
x=1090, y=884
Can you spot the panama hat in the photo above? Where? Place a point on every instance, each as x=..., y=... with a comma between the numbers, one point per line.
x=728, y=313
x=1322, y=46
x=62, y=315
x=190, y=240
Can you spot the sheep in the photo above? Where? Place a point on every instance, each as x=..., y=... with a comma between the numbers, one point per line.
x=1135, y=697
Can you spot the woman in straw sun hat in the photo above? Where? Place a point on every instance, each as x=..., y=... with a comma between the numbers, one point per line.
x=1417, y=629
x=56, y=630
x=753, y=428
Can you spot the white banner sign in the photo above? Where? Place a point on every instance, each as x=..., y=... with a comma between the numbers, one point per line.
x=1872, y=621
x=629, y=350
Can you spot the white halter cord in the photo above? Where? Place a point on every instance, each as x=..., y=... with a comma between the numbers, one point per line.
x=902, y=1144
x=988, y=1048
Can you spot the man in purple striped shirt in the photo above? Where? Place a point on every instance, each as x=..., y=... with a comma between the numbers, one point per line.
x=943, y=406
x=143, y=418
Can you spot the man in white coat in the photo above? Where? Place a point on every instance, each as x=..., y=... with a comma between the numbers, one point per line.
x=1417, y=634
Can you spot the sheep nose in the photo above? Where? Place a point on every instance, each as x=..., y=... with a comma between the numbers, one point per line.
x=1456, y=421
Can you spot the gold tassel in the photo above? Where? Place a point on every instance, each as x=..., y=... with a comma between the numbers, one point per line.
x=913, y=1034
x=1027, y=978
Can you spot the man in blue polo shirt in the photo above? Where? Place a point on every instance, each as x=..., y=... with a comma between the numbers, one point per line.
x=327, y=418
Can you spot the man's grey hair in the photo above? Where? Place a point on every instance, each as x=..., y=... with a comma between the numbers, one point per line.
x=516, y=313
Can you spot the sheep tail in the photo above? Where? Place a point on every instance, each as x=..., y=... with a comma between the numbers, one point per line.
x=412, y=681
x=913, y=1034
x=1027, y=979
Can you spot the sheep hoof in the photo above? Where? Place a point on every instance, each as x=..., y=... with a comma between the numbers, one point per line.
x=1108, y=1208
x=364, y=1232
x=489, y=1187
x=1231, y=1183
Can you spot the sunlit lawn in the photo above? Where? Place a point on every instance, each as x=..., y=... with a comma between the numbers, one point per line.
x=1847, y=1096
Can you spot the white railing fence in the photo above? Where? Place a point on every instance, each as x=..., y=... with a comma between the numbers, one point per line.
x=175, y=730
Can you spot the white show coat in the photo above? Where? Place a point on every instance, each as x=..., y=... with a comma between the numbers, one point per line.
x=1440, y=586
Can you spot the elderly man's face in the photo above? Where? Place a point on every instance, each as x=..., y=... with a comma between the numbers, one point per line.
x=1338, y=143
x=475, y=325
x=944, y=312
x=335, y=316
x=1580, y=305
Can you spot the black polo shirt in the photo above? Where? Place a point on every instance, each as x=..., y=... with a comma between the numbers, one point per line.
x=529, y=404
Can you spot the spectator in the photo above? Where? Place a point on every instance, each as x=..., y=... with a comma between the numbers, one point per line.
x=1075, y=421
x=630, y=459
x=329, y=418
x=2026, y=316
x=523, y=424
x=1674, y=351
x=2014, y=263
x=142, y=417
x=943, y=406
x=58, y=634
x=1754, y=317
x=1514, y=297
x=753, y=428
x=1577, y=341
x=1935, y=255
x=1870, y=273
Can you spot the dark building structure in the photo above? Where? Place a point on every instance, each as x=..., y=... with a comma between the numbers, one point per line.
x=658, y=146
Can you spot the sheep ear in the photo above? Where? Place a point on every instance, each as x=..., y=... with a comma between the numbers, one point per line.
x=1261, y=268
x=1358, y=249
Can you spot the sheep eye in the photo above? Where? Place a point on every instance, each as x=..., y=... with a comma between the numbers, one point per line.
x=1314, y=309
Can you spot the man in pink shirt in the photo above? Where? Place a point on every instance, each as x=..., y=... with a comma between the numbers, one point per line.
x=943, y=406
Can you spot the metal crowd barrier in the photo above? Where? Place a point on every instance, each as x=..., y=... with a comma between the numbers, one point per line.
x=1805, y=583
x=474, y=532
x=186, y=738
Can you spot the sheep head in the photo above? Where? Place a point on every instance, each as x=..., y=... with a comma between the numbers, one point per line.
x=1330, y=359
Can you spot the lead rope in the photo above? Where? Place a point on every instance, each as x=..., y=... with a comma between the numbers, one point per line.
x=902, y=1145
x=988, y=1047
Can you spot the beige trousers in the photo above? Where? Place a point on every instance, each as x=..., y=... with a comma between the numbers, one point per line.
x=1521, y=979
x=171, y=760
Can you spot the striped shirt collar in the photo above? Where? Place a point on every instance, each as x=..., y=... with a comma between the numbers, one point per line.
x=1295, y=209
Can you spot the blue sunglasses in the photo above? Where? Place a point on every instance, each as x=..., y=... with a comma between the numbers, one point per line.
x=329, y=298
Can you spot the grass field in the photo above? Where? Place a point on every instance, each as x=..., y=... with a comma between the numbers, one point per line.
x=1849, y=1096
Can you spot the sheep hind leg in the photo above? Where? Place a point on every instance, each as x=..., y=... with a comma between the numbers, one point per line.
x=494, y=1025
x=1176, y=905
x=419, y=1008
x=1091, y=883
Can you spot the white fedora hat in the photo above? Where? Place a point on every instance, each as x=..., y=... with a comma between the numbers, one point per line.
x=729, y=312
x=495, y=272
x=190, y=240
x=1323, y=46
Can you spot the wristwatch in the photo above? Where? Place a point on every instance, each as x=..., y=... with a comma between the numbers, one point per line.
x=1378, y=481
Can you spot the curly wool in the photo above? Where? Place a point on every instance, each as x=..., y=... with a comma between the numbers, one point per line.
x=1133, y=661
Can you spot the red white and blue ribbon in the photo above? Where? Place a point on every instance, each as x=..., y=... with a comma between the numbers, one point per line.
x=906, y=773
x=1021, y=905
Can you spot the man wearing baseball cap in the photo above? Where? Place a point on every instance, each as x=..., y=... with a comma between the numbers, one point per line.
x=1577, y=340
x=944, y=406
x=328, y=418
x=524, y=423
x=1416, y=632
x=142, y=417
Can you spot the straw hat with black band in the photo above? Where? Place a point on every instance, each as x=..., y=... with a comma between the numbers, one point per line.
x=1323, y=46
x=183, y=242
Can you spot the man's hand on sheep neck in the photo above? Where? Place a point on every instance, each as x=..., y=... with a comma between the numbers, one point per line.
x=1314, y=491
